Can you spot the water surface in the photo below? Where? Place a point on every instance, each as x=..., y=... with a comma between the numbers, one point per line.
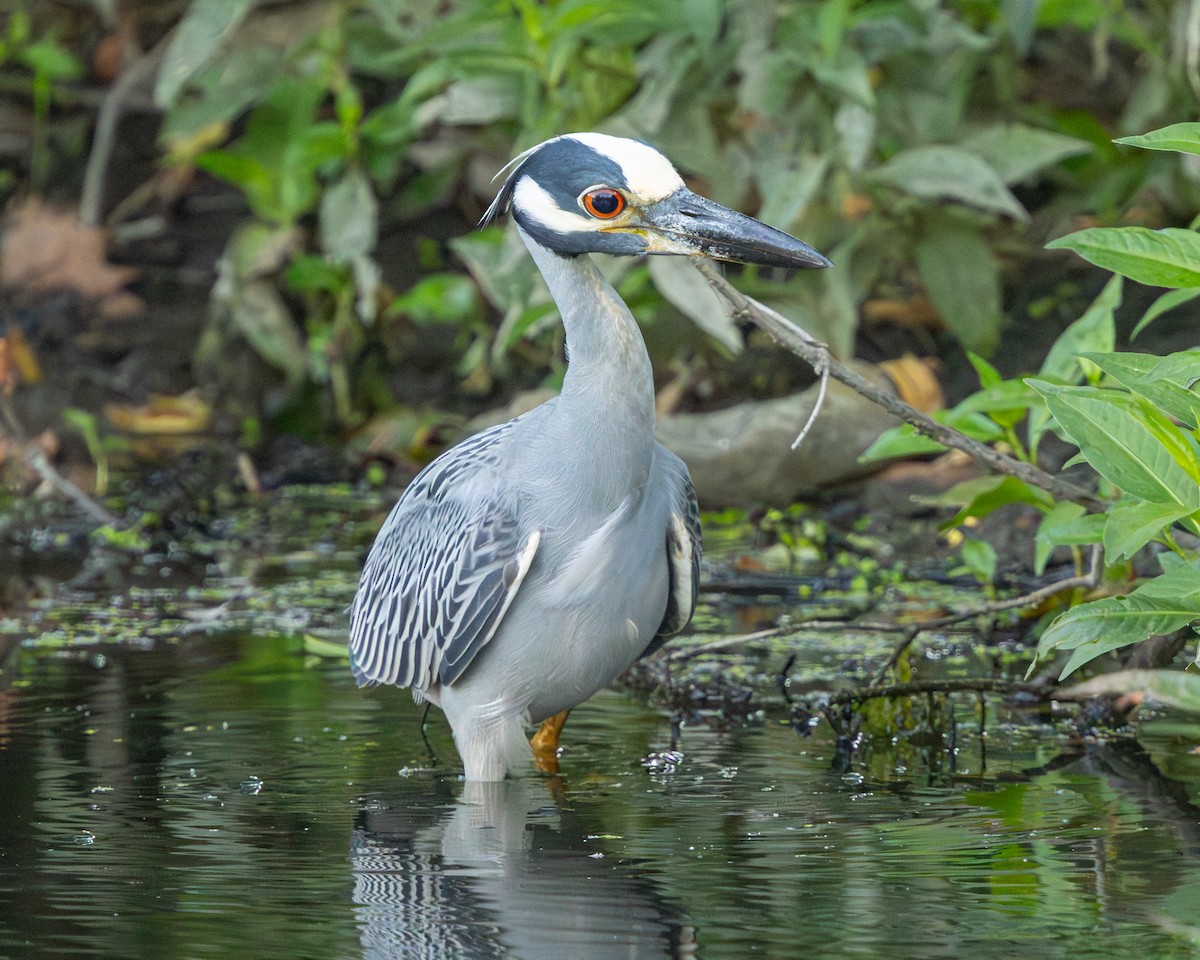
x=230, y=797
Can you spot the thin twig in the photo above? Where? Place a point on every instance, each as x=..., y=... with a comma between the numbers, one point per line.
x=91, y=198
x=822, y=389
x=37, y=460
x=803, y=345
x=724, y=643
x=910, y=630
x=915, y=688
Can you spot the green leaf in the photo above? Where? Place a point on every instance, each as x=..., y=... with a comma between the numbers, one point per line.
x=222, y=91
x=258, y=312
x=1131, y=524
x=984, y=495
x=1016, y=151
x=1007, y=402
x=988, y=375
x=901, y=441
x=1175, y=688
x=1158, y=607
x=688, y=291
x=980, y=558
x=1094, y=330
x=950, y=173
x=1168, y=301
x=197, y=39
x=962, y=279
x=1066, y=524
x=247, y=174
x=1128, y=442
x=47, y=59
x=319, y=647
x=1178, y=137
x=1167, y=382
x=1159, y=258
x=349, y=217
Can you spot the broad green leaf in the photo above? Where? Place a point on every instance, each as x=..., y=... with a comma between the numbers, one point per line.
x=250, y=176
x=221, y=92
x=51, y=61
x=1182, y=368
x=901, y=441
x=1159, y=258
x=1006, y=402
x=1020, y=17
x=449, y=298
x=258, y=312
x=349, y=217
x=1131, y=524
x=1095, y=628
x=1168, y=301
x=962, y=279
x=1016, y=151
x=788, y=182
x=1175, y=688
x=688, y=291
x=1128, y=442
x=1065, y=525
x=1167, y=382
x=980, y=558
x=904, y=441
x=1093, y=331
x=950, y=173
x=988, y=375
x=1178, y=137
x=197, y=39
x=498, y=262
x=984, y=495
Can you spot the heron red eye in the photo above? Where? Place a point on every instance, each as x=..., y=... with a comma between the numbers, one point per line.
x=603, y=203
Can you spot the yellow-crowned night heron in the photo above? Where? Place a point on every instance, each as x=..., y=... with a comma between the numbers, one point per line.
x=530, y=565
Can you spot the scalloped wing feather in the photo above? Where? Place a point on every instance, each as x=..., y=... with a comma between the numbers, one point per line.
x=444, y=570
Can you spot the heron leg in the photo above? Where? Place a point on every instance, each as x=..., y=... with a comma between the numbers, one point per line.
x=545, y=742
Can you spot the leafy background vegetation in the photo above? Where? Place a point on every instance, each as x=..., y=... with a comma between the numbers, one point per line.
x=931, y=149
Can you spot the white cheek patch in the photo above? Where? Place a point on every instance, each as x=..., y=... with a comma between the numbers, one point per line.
x=648, y=174
x=536, y=204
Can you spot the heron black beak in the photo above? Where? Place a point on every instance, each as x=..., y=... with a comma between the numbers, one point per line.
x=687, y=223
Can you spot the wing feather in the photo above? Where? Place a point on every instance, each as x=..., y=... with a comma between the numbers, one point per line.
x=443, y=571
x=683, y=542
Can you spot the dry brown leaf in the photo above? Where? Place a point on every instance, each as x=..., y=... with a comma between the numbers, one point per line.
x=916, y=383
x=916, y=312
x=185, y=413
x=47, y=249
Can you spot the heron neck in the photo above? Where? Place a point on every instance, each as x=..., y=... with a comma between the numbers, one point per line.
x=609, y=384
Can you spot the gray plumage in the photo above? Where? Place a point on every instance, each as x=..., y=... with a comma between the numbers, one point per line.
x=530, y=565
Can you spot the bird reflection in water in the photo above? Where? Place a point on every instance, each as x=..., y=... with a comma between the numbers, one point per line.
x=503, y=871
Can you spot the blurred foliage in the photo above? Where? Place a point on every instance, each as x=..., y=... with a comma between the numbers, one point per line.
x=42, y=64
x=1135, y=419
x=928, y=148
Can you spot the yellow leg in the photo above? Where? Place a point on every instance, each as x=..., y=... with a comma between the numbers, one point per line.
x=545, y=742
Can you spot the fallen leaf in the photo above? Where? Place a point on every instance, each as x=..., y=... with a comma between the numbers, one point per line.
x=47, y=249
x=185, y=413
x=916, y=312
x=915, y=382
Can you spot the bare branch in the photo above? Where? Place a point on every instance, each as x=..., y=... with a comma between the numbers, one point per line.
x=812, y=351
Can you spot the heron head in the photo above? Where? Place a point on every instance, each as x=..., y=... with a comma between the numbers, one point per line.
x=594, y=193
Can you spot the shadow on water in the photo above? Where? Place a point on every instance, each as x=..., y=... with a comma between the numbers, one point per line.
x=505, y=871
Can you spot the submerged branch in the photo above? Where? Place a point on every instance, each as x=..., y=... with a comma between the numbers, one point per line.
x=918, y=687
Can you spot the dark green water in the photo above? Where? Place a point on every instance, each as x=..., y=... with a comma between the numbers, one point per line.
x=229, y=797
